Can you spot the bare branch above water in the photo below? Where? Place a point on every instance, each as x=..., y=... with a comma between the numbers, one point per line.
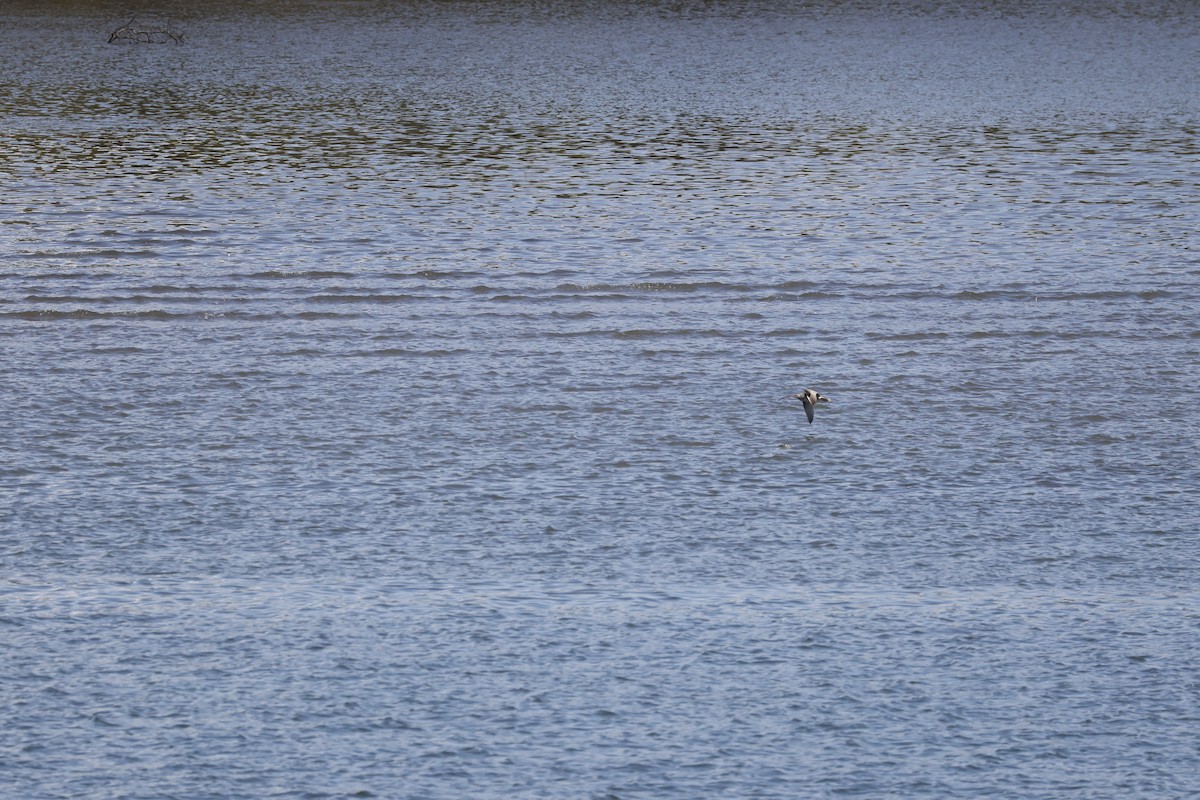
x=145, y=33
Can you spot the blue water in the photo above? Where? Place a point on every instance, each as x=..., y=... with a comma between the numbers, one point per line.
x=398, y=402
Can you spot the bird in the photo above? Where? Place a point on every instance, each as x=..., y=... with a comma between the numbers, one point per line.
x=810, y=400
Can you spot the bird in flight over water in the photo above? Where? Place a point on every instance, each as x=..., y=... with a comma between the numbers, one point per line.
x=810, y=400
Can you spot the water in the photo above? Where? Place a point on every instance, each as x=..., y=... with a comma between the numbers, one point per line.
x=397, y=402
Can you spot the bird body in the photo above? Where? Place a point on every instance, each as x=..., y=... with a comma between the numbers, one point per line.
x=810, y=400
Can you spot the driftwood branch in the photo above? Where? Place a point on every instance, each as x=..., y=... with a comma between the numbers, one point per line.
x=133, y=31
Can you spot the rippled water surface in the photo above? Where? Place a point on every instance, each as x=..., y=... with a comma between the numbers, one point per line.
x=397, y=401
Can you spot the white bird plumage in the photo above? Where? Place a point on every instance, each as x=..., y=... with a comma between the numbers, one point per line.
x=810, y=400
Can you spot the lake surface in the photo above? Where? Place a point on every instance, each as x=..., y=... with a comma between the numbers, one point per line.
x=397, y=401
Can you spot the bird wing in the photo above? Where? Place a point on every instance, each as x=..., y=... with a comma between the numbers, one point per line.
x=808, y=410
